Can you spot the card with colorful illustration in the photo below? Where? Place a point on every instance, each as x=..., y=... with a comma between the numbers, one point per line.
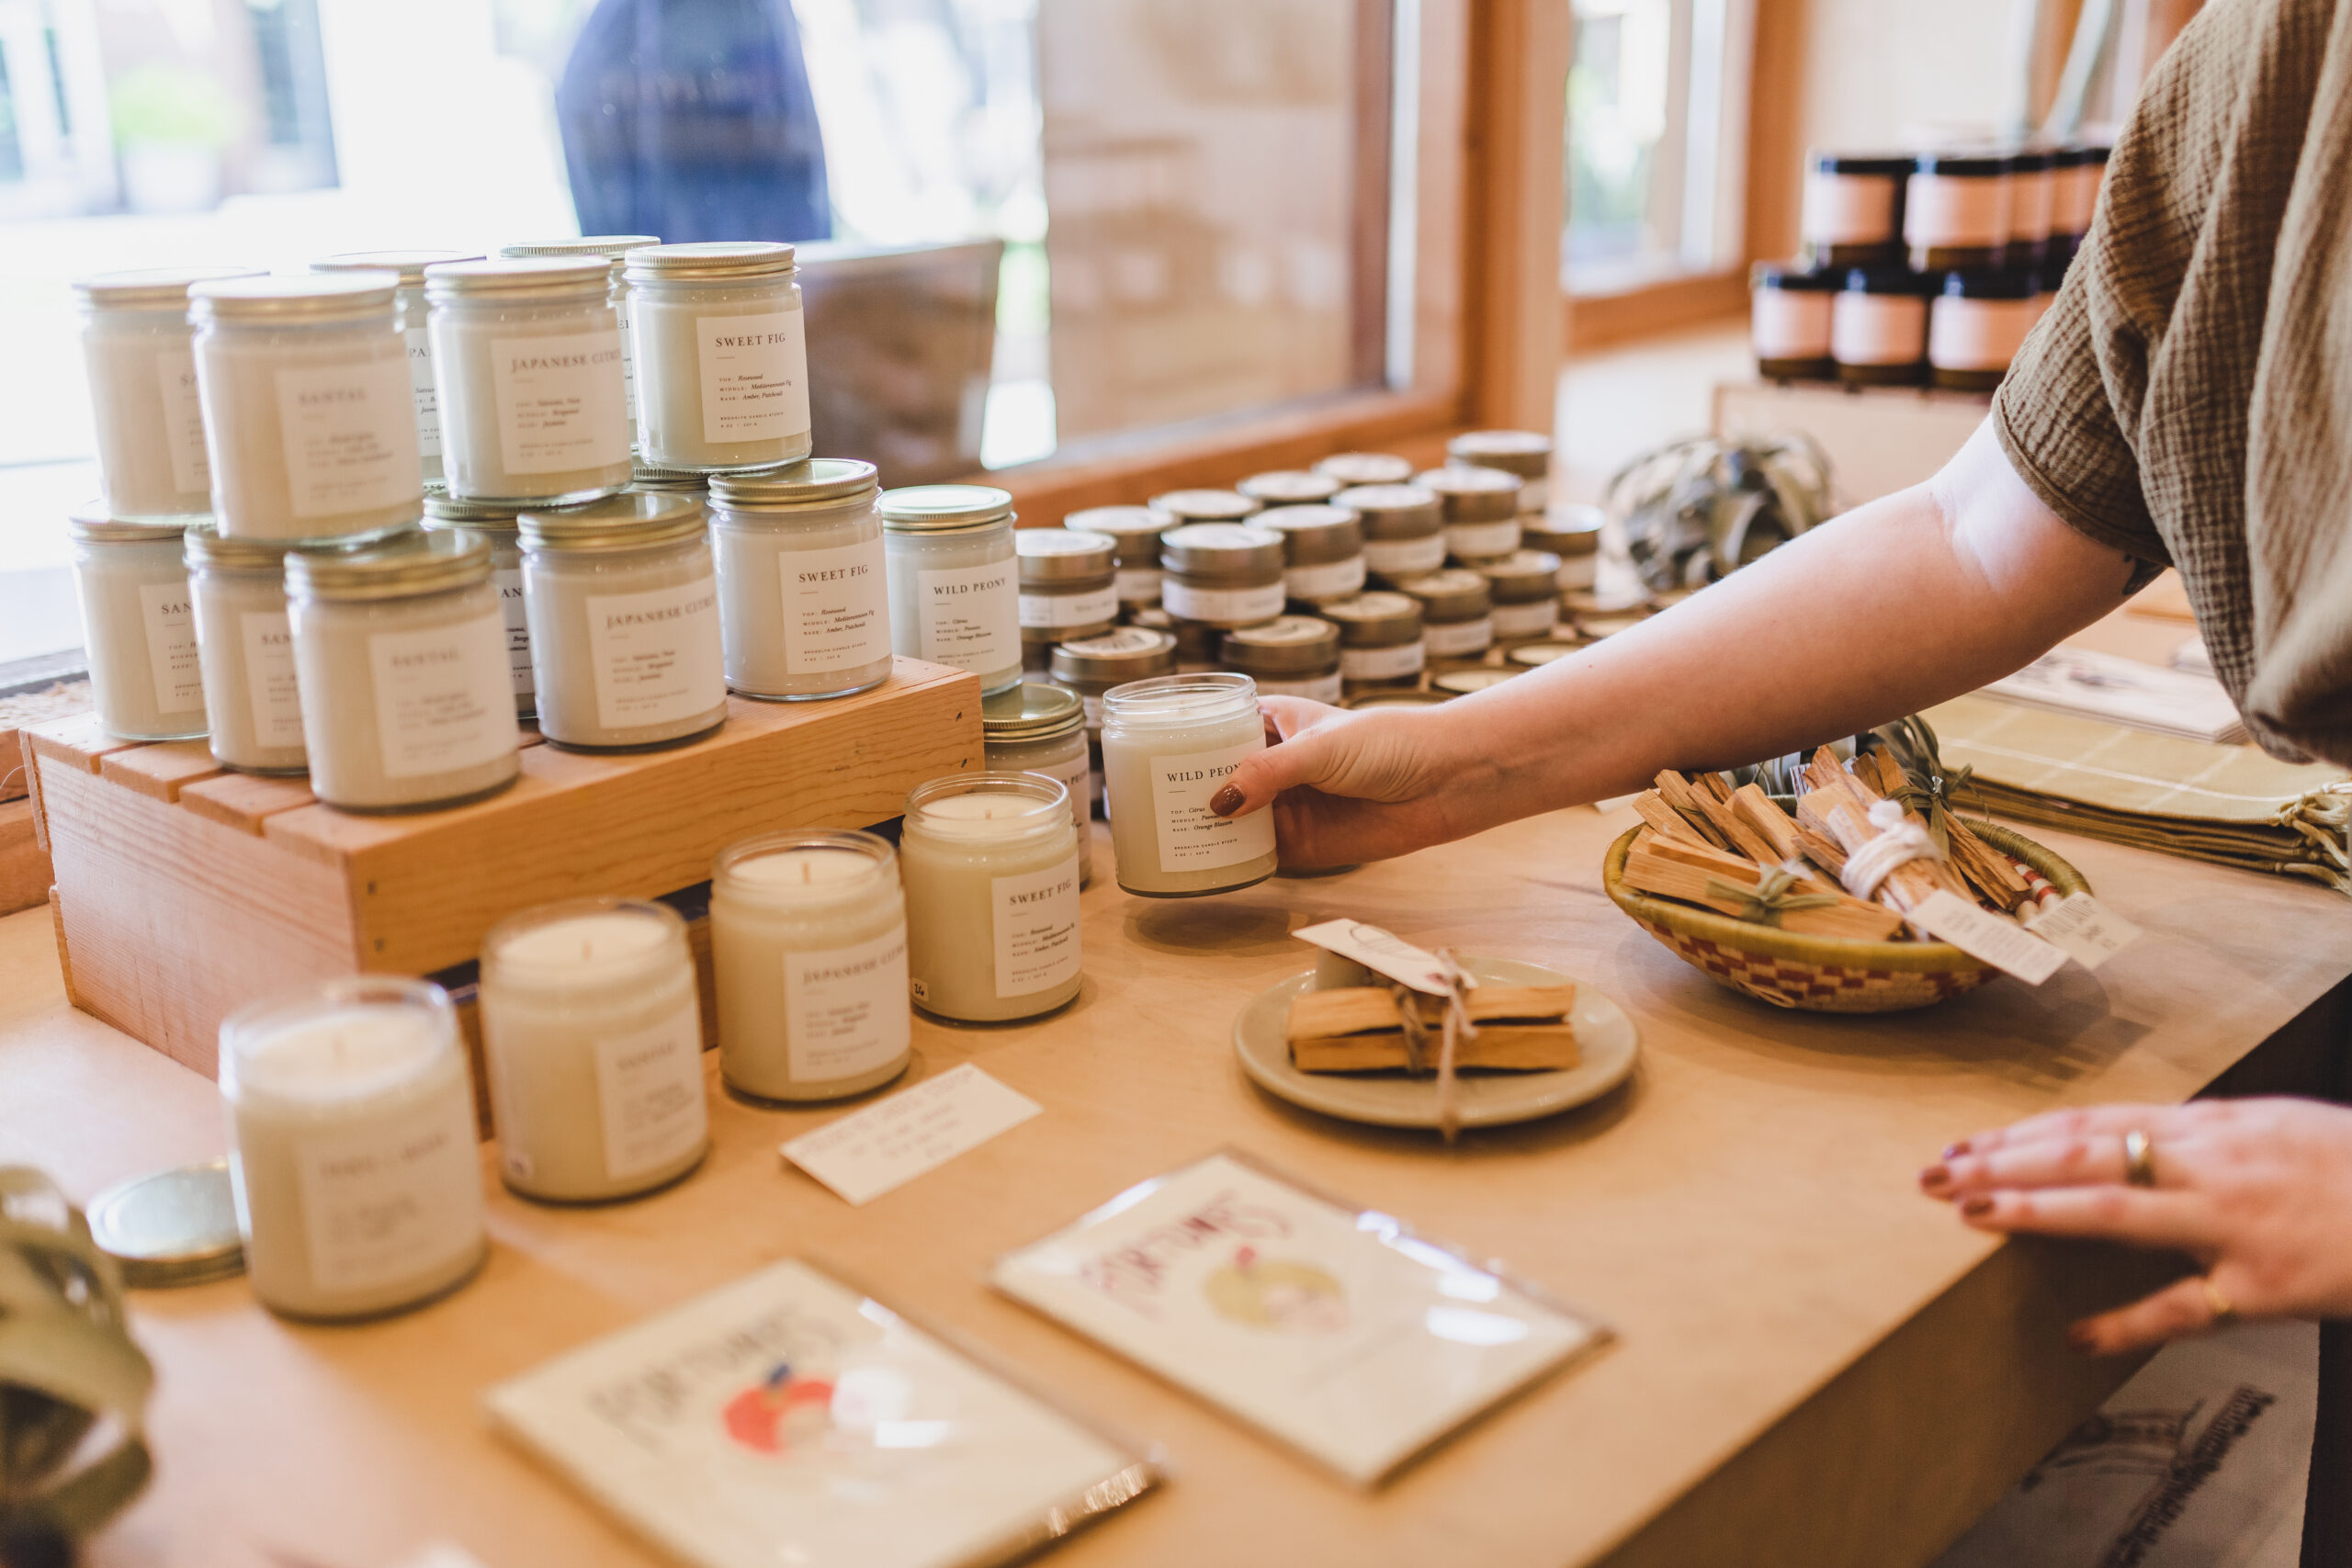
x=1340, y=1333
x=788, y=1418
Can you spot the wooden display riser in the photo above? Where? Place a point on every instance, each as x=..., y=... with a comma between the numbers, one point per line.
x=184, y=892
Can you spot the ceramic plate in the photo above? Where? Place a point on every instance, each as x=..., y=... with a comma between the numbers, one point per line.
x=1605, y=1035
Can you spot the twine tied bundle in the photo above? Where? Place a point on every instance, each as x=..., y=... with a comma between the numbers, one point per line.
x=1454, y=1027
x=1772, y=895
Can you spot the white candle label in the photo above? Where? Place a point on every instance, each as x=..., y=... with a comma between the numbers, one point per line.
x=1401, y=558
x=1527, y=620
x=1136, y=585
x=1051, y=610
x=382, y=1203
x=1036, y=930
x=754, y=377
x=648, y=1088
x=269, y=677
x=656, y=654
x=1192, y=837
x=1393, y=662
x=969, y=617
x=170, y=624
x=561, y=403
x=1332, y=579
x=424, y=394
x=1243, y=605
x=183, y=420
x=509, y=582
x=441, y=700
x=1073, y=775
x=349, y=433
x=884, y=1146
x=1318, y=688
x=846, y=1009
x=1474, y=540
x=1451, y=640
x=629, y=360
x=836, y=607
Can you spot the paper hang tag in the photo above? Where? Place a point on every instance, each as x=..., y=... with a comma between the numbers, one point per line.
x=1982, y=934
x=1384, y=952
x=2090, y=931
x=870, y=1152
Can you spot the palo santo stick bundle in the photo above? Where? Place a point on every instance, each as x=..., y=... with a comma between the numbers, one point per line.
x=1358, y=1029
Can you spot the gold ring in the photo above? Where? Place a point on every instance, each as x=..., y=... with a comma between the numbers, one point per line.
x=2217, y=1304
x=2139, y=1159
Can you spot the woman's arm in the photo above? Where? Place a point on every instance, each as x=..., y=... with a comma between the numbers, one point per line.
x=1914, y=598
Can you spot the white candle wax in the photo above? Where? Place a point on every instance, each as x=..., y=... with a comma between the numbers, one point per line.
x=808, y=940
x=351, y=1137
x=1169, y=745
x=803, y=607
x=992, y=908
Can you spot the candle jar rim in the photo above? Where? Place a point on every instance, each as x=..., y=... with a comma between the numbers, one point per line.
x=1366, y=467
x=1470, y=493
x=1052, y=797
x=264, y=1020
x=1205, y=505
x=926, y=508
x=1290, y=487
x=1399, y=510
x=624, y=521
x=446, y=510
x=1160, y=701
x=151, y=288
x=495, y=941
x=811, y=484
x=518, y=279
x=336, y=298
x=434, y=561
x=613, y=247
x=92, y=523
x=878, y=849
x=409, y=264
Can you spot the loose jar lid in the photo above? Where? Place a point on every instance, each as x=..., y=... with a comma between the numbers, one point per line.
x=311, y=297
x=712, y=260
x=152, y=286
x=1864, y=162
x=175, y=1227
x=920, y=509
x=1375, y=619
x=1608, y=623
x=517, y=276
x=1122, y=653
x=1062, y=555
x=1576, y=531
x=1991, y=285
x=92, y=521
x=1526, y=453
x=1394, y=511
x=820, y=481
x=1314, y=535
x=1794, y=277
x=1973, y=165
x=1397, y=700
x=1204, y=505
x=1535, y=655
x=624, y=521
x=1462, y=683
x=1031, y=711
x=1475, y=495
x=1136, y=529
x=652, y=476
x=491, y=517
x=1222, y=549
x=426, y=561
x=1522, y=578
x=1889, y=280
x=1288, y=645
x=207, y=547
x=1289, y=487
x=1456, y=594
x=410, y=264
x=1365, y=469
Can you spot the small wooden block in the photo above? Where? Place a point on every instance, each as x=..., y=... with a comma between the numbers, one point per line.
x=243, y=801
x=77, y=741
x=1510, y=1047
x=24, y=864
x=162, y=769
x=1353, y=1008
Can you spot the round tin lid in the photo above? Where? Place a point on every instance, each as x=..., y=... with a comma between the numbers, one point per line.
x=1375, y=619
x=1314, y=535
x=1572, y=530
x=1591, y=623
x=918, y=509
x=1522, y=578
x=652, y=476
x=1031, y=711
x=731, y=261
x=1526, y=453
x=1365, y=469
x=206, y=547
x=1222, y=549
x=1204, y=505
x=1394, y=511
x=1398, y=699
x=611, y=246
x=1287, y=645
x=151, y=286
x=1456, y=594
x=1462, y=683
x=424, y=560
x=1535, y=655
x=445, y=511
x=1290, y=487
x=1062, y=555
x=92, y=521
x=307, y=297
x=820, y=481
x=1136, y=528
x=175, y=1227
x=624, y=521
x=1475, y=495
x=518, y=275
x=410, y=264
x=1122, y=653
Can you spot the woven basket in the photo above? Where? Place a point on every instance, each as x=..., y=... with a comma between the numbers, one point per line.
x=1821, y=973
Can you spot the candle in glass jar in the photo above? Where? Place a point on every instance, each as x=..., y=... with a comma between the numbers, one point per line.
x=614, y=249
x=410, y=266
x=992, y=909
x=1041, y=728
x=804, y=606
x=955, y=591
x=1169, y=745
x=149, y=427
x=351, y=1146
x=808, y=942
x=721, y=354
x=139, y=627
x=495, y=521
x=593, y=1037
x=237, y=588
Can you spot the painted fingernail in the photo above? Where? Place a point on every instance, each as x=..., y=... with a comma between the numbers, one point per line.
x=1935, y=1176
x=1976, y=1208
x=1225, y=802
x=1953, y=1150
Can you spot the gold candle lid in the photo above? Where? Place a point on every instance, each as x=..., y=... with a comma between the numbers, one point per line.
x=1366, y=468
x=417, y=562
x=1377, y=619
x=1524, y=577
x=1122, y=653
x=409, y=264
x=1314, y=534
x=1291, y=487
x=925, y=509
x=734, y=261
x=520, y=277
x=1204, y=505
x=152, y=287
x=1473, y=495
x=1525, y=452
x=817, y=482
x=1456, y=594
x=1288, y=645
x=1462, y=683
x=1031, y=711
x=175, y=1227
x=304, y=297
x=628, y=521
x=1136, y=529
x=1062, y=555
x=1394, y=511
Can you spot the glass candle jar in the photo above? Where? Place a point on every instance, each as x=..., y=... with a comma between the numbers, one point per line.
x=1526, y=453
x=252, y=703
x=351, y=1148
x=623, y=601
x=1169, y=745
x=1878, y=329
x=1380, y=641
x=1977, y=325
x=592, y=1042
x=2075, y=175
x=1038, y=728
x=528, y=354
x=1091, y=666
x=1068, y=588
x=809, y=951
x=1204, y=505
x=991, y=869
x=722, y=358
x=400, y=654
x=614, y=249
x=1197, y=643
x=1134, y=532
x=2032, y=199
x=1853, y=208
x=1292, y=656
x=1404, y=528
x=1290, y=487
x=1457, y=612
x=1322, y=551
x=138, y=627
x=1481, y=509
x=1573, y=533
x=1365, y=469
x=1789, y=321
x=1525, y=589
x=804, y=605
x=409, y=303
x=495, y=521
x=138, y=350
x=1221, y=574
x=309, y=422
x=1956, y=210
x=954, y=594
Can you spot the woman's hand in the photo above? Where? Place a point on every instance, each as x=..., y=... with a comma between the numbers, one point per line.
x=2258, y=1191
x=1348, y=787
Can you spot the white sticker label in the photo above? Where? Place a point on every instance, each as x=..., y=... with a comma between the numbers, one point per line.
x=423, y=394
x=845, y=1009
x=1136, y=585
x=2085, y=930
x=183, y=420
x=754, y=377
x=269, y=677
x=1053, y=610
x=656, y=654
x=518, y=628
x=836, y=609
x=561, y=401
x=1332, y=579
x=349, y=435
x=1036, y=930
x=1539, y=619
x=649, y=1087
x=861, y=1156
x=170, y=624
x=1242, y=605
x=969, y=617
x=1317, y=688
x=1475, y=541
x=1982, y=935
x=1402, y=557
x=629, y=360
x=442, y=699
x=1192, y=837
x=1393, y=662
x=385, y=1202
x=1452, y=639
